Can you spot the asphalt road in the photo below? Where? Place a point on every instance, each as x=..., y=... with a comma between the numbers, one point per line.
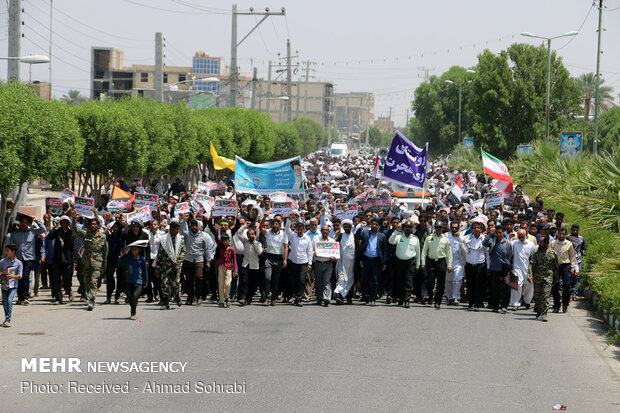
x=349, y=358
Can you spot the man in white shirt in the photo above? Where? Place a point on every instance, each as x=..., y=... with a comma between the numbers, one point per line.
x=522, y=251
x=476, y=264
x=250, y=265
x=276, y=255
x=155, y=234
x=454, y=278
x=301, y=257
x=323, y=268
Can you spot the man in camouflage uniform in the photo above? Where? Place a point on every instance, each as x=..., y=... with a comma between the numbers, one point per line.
x=95, y=256
x=544, y=272
x=168, y=264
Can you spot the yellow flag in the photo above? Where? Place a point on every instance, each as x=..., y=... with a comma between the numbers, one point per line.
x=219, y=162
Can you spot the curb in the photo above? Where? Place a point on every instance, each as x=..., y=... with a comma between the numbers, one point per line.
x=594, y=299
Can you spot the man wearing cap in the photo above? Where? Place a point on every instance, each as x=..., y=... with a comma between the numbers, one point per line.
x=94, y=259
x=406, y=261
x=64, y=259
x=438, y=254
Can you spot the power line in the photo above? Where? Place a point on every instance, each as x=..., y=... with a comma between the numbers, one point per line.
x=260, y=32
x=579, y=29
x=173, y=11
x=100, y=31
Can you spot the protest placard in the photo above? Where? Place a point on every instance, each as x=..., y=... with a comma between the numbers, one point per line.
x=54, y=205
x=119, y=205
x=494, y=199
x=68, y=194
x=181, y=208
x=478, y=204
x=224, y=207
x=327, y=249
x=141, y=200
x=142, y=214
x=282, y=208
x=346, y=211
x=277, y=195
x=84, y=206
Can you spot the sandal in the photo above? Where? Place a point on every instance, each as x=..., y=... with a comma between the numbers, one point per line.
x=7, y=324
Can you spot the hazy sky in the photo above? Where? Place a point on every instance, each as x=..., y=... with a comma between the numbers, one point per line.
x=382, y=47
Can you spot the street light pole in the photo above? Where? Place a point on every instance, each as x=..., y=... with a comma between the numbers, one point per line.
x=597, y=95
x=548, y=39
x=460, y=86
x=548, y=84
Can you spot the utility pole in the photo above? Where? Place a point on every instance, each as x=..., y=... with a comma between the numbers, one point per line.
x=597, y=95
x=306, y=87
x=390, y=121
x=407, y=120
x=269, y=90
x=254, y=79
x=368, y=121
x=14, y=40
x=158, y=80
x=289, y=92
x=234, y=74
x=49, y=67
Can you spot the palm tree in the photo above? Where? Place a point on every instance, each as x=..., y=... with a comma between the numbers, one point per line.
x=73, y=97
x=587, y=83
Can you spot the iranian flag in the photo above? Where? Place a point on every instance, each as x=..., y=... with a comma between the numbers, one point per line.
x=456, y=193
x=496, y=169
x=375, y=169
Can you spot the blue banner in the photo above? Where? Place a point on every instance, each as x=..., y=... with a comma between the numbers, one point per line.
x=265, y=178
x=406, y=163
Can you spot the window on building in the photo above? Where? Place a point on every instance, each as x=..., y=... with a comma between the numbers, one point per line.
x=165, y=77
x=144, y=77
x=181, y=78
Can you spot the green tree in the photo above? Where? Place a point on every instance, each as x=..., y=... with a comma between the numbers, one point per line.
x=377, y=138
x=73, y=97
x=116, y=142
x=37, y=139
x=288, y=143
x=507, y=98
x=587, y=84
x=609, y=131
x=311, y=134
x=436, y=109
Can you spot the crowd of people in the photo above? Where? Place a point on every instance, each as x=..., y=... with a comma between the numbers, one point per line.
x=430, y=250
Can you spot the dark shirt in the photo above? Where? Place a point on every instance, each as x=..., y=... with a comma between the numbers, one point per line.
x=136, y=269
x=65, y=247
x=500, y=253
x=115, y=245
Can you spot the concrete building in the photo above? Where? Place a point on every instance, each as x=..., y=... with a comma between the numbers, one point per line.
x=385, y=124
x=109, y=76
x=43, y=89
x=313, y=100
x=353, y=113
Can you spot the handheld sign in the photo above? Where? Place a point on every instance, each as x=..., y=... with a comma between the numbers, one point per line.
x=54, y=205
x=143, y=214
x=346, y=211
x=327, y=249
x=141, y=200
x=68, y=194
x=181, y=208
x=224, y=207
x=282, y=208
x=494, y=199
x=84, y=206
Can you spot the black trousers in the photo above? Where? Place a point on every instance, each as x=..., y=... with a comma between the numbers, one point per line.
x=475, y=278
x=248, y=281
x=273, y=269
x=436, y=270
x=499, y=291
x=152, y=289
x=565, y=281
x=404, y=271
x=110, y=283
x=60, y=272
x=371, y=273
x=390, y=278
x=121, y=274
x=134, y=291
x=23, y=285
x=297, y=273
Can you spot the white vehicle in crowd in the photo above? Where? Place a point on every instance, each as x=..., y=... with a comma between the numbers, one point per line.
x=339, y=150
